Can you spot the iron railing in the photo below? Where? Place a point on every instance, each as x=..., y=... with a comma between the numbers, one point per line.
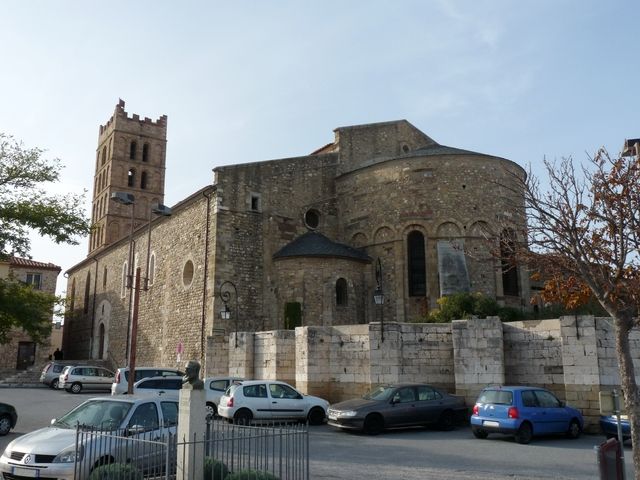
x=281, y=451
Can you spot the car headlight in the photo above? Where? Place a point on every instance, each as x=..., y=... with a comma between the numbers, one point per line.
x=347, y=413
x=69, y=455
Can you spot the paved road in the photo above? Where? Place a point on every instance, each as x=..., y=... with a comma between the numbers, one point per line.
x=405, y=454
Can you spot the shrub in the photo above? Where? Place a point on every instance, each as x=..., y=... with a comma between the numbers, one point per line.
x=252, y=475
x=214, y=469
x=116, y=471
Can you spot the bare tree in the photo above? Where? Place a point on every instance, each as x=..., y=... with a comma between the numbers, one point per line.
x=584, y=237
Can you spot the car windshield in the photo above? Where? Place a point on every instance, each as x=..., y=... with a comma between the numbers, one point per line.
x=383, y=392
x=496, y=397
x=98, y=414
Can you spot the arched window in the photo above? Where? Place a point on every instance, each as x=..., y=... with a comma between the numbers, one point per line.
x=131, y=177
x=416, y=265
x=145, y=152
x=152, y=268
x=509, y=268
x=104, y=155
x=341, y=292
x=87, y=291
x=123, y=288
x=72, y=301
x=132, y=150
x=143, y=180
x=104, y=277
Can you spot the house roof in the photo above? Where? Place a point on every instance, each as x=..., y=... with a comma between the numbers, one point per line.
x=28, y=263
x=315, y=244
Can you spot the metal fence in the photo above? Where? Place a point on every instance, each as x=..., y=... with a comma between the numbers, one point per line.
x=262, y=452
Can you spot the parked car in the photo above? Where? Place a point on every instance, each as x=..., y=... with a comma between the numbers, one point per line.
x=402, y=405
x=270, y=400
x=8, y=418
x=609, y=426
x=50, y=452
x=51, y=373
x=214, y=389
x=121, y=380
x=524, y=412
x=158, y=385
x=74, y=379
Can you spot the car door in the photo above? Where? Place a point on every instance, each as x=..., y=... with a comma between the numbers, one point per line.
x=105, y=377
x=402, y=408
x=286, y=402
x=529, y=409
x=90, y=378
x=430, y=404
x=144, y=428
x=556, y=417
x=256, y=399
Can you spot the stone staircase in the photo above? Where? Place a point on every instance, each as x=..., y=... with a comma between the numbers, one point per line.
x=29, y=378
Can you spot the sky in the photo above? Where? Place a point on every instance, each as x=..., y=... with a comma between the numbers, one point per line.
x=247, y=81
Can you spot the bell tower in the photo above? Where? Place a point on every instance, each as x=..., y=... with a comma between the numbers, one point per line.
x=130, y=158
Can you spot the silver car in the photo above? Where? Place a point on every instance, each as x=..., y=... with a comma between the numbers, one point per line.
x=51, y=373
x=74, y=379
x=122, y=429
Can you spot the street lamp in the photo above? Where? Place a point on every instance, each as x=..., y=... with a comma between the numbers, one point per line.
x=125, y=198
x=378, y=297
x=225, y=314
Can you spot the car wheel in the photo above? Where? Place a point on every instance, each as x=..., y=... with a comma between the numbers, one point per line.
x=243, y=417
x=5, y=424
x=574, y=429
x=445, y=422
x=373, y=424
x=524, y=433
x=54, y=384
x=480, y=434
x=212, y=410
x=76, y=388
x=316, y=416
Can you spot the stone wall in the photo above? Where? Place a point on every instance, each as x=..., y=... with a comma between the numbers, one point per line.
x=572, y=356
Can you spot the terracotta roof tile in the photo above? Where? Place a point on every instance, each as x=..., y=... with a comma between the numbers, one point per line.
x=28, y=263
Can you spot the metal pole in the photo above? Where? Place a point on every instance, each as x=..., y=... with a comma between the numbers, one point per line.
x=129, y=280
x=134, y=332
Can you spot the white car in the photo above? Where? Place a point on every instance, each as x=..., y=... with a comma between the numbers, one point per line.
x=51, y=452
x=167, y=386
x=214, y=389
x=270, y=400
x=120, y=383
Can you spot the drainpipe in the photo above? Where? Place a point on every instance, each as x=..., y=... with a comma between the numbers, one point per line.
x=203, y=321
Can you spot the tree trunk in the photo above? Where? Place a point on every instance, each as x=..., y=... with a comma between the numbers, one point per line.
x=628, y=383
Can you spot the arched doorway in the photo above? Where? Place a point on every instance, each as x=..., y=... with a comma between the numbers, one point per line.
x=101, y=339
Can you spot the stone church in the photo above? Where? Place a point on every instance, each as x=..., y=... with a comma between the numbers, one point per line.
x=275, y=244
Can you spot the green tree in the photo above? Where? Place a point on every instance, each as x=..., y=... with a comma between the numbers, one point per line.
x=584, y=238
x=26, y=206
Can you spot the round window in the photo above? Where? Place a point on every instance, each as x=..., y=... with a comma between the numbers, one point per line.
x=187, y=273
x=312, y=218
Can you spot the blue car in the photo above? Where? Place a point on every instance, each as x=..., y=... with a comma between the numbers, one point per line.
x=609, y=426
x=523, y=412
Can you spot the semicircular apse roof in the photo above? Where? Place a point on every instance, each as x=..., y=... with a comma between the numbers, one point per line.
x=314, y=244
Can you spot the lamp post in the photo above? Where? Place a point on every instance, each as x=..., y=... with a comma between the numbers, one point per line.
x=124, y=198
x=225, y=314
x=378, y=297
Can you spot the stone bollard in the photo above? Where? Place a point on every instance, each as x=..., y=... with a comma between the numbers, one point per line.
x=191, y=425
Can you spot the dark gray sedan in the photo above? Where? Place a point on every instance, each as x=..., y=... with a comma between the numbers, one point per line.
x=401, y=405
